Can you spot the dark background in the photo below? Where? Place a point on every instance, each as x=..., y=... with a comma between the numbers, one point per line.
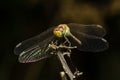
x=22, y=19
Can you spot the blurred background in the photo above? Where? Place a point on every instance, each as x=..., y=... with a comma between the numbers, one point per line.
x=22, y=19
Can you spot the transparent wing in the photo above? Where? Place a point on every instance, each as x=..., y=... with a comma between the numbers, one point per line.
x=35, y=53
x=93, y=29
x=35, y=48
x=34, y=41
x=90, y=43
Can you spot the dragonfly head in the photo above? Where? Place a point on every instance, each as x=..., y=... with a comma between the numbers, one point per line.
x=61, y=30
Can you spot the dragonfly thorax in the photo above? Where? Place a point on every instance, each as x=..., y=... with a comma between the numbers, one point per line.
x=61, y=30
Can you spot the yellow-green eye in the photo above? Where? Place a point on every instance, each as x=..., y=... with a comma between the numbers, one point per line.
x=57, y=33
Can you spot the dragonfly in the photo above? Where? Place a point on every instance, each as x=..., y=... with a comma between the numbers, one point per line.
x=63, y=37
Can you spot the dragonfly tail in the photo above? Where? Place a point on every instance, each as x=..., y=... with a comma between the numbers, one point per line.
x=76, y=39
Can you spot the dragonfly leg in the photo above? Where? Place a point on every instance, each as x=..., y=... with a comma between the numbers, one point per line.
x=54, y=42
x=69, y=44
x=67, y=40
x=64, y=42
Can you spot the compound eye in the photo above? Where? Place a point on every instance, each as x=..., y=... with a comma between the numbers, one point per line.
x=57, y=33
